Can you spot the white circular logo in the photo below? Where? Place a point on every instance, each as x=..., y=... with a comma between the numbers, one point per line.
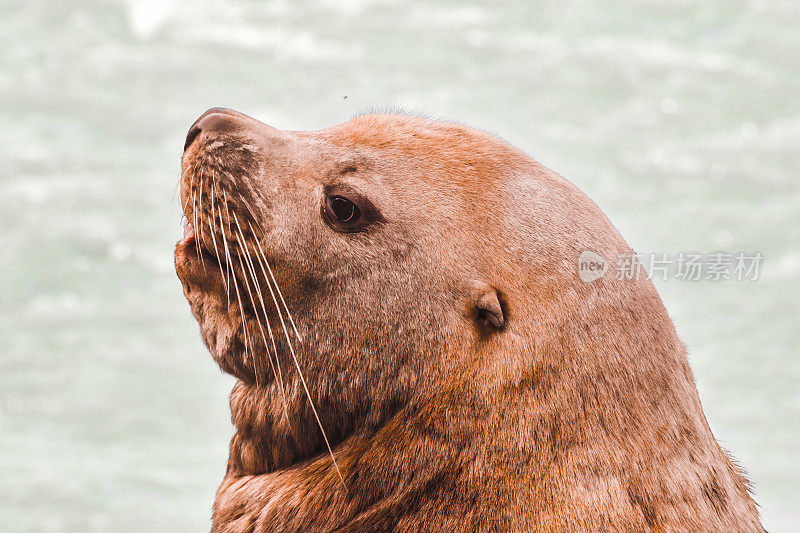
x=591, y=266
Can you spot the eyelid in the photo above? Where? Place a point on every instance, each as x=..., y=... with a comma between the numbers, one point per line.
x=343, y=189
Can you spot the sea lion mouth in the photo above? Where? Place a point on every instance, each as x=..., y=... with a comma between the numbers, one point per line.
x=226, y=293
x=223, y=263
x=188, y=233
x=194, y=252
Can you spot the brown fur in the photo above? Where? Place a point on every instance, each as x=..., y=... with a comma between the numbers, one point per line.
x=580, y=415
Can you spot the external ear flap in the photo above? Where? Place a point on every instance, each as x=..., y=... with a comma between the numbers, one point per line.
x=488, y=310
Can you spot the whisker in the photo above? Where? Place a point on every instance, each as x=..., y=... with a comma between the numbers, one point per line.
x=216, y=252
x=256, y=365
x=263, y=307
x=225, y=245
x=194, y=210
x=249, y=210
x=177, y=187
x=199, y=229
x=297, y=365
x=184, y=165
x=278, y=377
x=277, y=288
x=238, y=296
x=225, y=282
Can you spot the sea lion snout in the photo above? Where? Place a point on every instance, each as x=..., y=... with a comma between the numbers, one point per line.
x=215, y=120
x=227, y=163
x=221, y=120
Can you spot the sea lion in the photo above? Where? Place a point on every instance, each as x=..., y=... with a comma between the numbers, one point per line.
x=414, y=350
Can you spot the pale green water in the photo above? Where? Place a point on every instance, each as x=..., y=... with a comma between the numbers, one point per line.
x=681, y=119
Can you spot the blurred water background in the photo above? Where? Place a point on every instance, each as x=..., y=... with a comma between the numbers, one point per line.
x=680, y=118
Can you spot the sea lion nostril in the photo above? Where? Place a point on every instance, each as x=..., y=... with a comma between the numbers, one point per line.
x=197, y=127
x=194, y=131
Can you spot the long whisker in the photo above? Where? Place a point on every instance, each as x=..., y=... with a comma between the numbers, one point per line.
x=238, y=296
x=214, y=240
x=256, y=365
x=244, y=325
x=274, y=346
x=261, y=263
x=184, y=165
x=244, y=249
x=188, y=168
x=199, y=227
x=277, y=288
x=216, y=252
x=225, y=245
x=300, y=372
x=263, y=307
x=194, y=210
x=249, y=210
x=229, y=261
x=227, y=211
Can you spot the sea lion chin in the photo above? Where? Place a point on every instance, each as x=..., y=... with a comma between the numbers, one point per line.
x=414, y=350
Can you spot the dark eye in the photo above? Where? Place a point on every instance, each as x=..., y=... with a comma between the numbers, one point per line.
x=343, y=209
x=347, y=211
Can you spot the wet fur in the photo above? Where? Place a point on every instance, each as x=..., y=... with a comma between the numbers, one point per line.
x=581, y=415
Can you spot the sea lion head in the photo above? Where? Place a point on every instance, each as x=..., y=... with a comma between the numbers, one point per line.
x=349, y=272
x=408, y=293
